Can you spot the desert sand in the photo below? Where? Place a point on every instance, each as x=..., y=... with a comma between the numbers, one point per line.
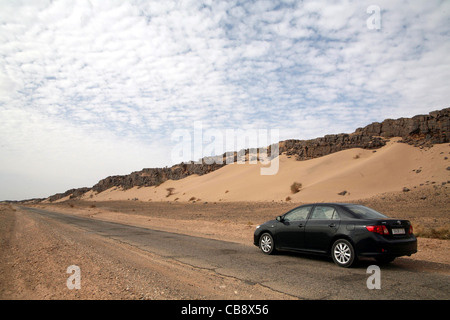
x=398, y=180
x=360, y=173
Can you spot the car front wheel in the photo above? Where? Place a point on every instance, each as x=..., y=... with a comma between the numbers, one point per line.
x=266, y=243
x=343, y=253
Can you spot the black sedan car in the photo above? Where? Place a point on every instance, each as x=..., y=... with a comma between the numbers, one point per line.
x=344, y=231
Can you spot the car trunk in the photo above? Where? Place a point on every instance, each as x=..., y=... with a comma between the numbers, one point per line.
x=397, y=228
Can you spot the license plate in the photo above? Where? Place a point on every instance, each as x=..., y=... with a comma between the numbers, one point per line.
x=398, y=231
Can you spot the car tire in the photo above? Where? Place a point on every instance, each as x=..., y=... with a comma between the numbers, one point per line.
x=343, y=253
x=266, y=243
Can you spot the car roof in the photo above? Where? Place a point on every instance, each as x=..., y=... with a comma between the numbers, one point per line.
x=327, y=203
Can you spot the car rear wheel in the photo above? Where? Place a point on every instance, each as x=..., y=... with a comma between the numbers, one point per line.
x=266, y=243
x=343, y=253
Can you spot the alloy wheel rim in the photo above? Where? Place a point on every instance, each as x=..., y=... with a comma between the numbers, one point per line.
x=266, y=244
x=342, y=253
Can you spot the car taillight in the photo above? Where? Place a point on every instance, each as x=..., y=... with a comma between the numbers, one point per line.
x=410, y=229
x=378, y=229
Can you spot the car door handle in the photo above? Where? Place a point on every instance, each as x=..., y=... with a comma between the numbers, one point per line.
x=332, y=225
x=300, y=225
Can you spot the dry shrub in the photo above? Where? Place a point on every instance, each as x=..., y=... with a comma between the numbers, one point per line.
x=295, y=187
x=442, y=233
x=169, y=192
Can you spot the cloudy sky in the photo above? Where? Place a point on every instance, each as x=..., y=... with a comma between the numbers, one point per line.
x=90, y=89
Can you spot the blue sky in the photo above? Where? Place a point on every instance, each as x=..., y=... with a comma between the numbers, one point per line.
x=90, y=89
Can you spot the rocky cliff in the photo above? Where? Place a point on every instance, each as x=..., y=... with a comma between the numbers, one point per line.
x=314, y=148
x=155, y=176
x=73, y=193
x=420, y=131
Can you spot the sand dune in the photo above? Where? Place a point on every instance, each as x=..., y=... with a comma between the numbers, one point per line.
x=361, y=173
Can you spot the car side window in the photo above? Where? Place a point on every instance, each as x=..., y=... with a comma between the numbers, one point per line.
x=297, y=214
x=324, y=213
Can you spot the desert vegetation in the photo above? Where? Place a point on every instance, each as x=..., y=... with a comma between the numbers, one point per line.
x=296, y=187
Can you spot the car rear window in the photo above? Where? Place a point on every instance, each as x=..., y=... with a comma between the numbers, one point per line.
x=363, y=212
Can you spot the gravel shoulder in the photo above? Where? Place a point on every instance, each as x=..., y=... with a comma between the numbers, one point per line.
x=426, y=207
x=36, y=252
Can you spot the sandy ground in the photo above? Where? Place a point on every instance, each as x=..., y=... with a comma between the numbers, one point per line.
x=36, y=252
x=427, y=208
x=398, y=180
x=360, y=173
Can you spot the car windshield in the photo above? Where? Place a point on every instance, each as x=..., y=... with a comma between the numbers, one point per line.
x=363, y=212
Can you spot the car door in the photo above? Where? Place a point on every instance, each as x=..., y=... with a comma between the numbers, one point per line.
x=290, y=230
x=320, y=228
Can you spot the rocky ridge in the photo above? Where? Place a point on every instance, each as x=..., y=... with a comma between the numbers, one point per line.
x=420, y=131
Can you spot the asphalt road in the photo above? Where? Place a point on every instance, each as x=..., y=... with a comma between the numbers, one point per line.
x=302, y=276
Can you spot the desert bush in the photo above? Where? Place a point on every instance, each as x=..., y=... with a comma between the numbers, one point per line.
x=295, y=187
x=169, y=192
x=442, y=233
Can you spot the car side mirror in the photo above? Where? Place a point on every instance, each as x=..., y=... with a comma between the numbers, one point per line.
x=280, y=218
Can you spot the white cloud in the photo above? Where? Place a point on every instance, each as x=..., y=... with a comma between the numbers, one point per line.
x=61, y=155
x=131, y=72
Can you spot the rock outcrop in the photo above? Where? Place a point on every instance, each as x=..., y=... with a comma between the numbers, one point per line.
x=418, y=130
x=155, y=176
x=421, y=130
x=309, y=149
x=72, y=193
